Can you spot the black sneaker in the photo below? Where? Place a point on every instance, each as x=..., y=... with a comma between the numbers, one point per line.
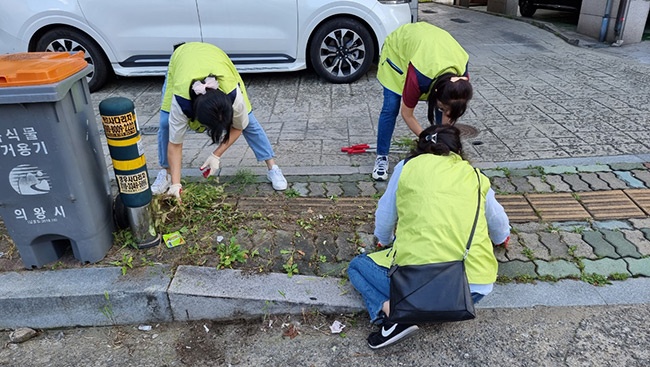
x=389, y=334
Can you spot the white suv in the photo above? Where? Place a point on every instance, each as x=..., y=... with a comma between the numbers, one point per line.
x=339, y=39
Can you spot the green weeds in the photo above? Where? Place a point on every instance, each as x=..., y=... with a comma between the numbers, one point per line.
x=230, y=253
x=125, y=263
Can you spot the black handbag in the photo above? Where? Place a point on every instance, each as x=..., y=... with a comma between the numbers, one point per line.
x=433, y=292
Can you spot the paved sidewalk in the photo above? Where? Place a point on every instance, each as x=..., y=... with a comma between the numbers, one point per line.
x=536, y=98
x=548, y=120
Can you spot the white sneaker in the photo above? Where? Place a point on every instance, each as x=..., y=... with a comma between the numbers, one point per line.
x=162, y=183
x=380, y=173
x=277, y=179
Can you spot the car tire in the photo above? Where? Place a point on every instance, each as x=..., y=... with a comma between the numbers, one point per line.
x=68, y=40
x=526, y=8
x=341, y=50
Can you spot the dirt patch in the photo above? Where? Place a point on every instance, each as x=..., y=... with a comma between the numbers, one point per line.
x=270, y=233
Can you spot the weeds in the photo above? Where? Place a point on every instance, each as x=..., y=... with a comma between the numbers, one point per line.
x=305, y=224
x=230, y=253
x=619, y=276
x=291, y=193
x=125, y=263
x=243, y=177
x=405, y=143
x=595, y=279
x=528, y=253
x=124, y=238
x=107, y=308
x=289, y=266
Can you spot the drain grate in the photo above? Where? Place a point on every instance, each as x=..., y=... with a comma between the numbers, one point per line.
x=466, y=131
x=458, y=20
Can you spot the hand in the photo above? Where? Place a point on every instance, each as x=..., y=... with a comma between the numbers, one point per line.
x=175, y=190
x=212, y=164
x=505, y=243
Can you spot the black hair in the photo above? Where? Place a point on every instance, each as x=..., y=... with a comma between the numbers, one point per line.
x=438, y=140
x=214, y=111
x=454, y=95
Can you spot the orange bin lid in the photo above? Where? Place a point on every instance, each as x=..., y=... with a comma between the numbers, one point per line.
x=35, y=68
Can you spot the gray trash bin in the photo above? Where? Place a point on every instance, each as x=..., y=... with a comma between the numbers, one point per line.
x=54, y=186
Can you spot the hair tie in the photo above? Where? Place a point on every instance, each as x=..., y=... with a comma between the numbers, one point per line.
x=432, y=138
x=200, y=87
x=454, y=79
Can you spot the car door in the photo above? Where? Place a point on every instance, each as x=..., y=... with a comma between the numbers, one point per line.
x=143, y=32
x=251, y=31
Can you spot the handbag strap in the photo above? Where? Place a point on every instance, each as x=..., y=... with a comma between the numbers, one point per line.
x=478, y=206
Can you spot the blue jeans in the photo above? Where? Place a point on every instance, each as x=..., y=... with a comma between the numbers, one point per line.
x=387, y=120
x=253, y=133
x=373, y=282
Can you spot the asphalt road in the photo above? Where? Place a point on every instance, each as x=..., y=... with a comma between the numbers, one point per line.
x=555, y=336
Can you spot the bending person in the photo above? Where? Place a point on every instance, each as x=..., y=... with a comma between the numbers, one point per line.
x=419, y=62
x=427, y=214
x=204, y=92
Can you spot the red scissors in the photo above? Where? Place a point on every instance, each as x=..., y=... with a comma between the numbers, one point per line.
x=359, y=148
x=365, y=148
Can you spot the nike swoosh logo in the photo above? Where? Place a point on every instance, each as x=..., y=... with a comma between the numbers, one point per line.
x=386, y=333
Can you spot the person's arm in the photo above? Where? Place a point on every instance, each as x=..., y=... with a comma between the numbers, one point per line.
x=234, y=135
x=174, y=158
x=411, y=121
x=177, y=128
x=497, y=219
x=410, y=96
x=386, y=213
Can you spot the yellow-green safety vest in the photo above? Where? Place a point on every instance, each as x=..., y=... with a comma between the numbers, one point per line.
x=196, y=61
x=431, y=50
x=436, y=202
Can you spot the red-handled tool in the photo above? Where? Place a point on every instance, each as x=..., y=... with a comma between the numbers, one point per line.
x=366, y=148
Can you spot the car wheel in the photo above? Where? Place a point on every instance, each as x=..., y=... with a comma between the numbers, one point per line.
x=341, y=50
x=68, y=40
x=526, y=8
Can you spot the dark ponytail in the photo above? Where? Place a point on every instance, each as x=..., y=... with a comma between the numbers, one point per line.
x=214, y=111
x=455, y=95
x=438, y=140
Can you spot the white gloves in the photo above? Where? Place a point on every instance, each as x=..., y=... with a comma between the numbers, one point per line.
x=211, y=165
x=175, y=190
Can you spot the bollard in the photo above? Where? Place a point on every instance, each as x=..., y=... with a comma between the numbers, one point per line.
x=130, y=167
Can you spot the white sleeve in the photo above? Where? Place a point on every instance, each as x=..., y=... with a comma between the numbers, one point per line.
x=239, y=112
x=497, y=219
x=386, y=212
x=178, y=123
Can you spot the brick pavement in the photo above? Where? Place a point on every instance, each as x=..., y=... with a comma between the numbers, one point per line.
x=564, y=247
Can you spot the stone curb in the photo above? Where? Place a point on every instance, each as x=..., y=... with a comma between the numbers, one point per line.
x=102, y=296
